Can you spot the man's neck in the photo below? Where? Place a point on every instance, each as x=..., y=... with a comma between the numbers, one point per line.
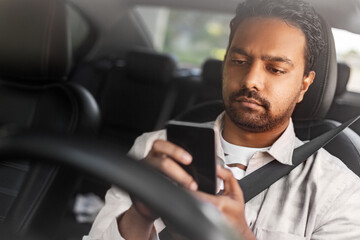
x=242, y=137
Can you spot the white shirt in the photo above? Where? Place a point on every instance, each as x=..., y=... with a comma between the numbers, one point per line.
x=319, y=199
x=234, y=154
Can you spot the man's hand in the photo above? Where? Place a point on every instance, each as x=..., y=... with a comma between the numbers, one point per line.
x=133, y=225
x=137, y=222
x=166, y=156
x=230, y=203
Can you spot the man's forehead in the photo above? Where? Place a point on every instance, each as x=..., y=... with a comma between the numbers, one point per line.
x=269, y=37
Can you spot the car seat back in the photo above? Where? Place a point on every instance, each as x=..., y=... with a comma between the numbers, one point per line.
x=34, y=61
x=211, y=80
x=138, y=97
x=346, y=104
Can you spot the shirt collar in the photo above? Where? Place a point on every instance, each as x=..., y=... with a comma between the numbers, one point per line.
x=218, y=125
x=281, y=150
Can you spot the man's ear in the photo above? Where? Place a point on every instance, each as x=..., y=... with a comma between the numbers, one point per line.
x=306, y=82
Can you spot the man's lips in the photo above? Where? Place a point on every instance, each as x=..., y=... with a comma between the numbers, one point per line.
x=248, y=100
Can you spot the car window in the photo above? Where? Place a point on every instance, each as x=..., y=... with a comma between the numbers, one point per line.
x=348, y=51
x=192, y=36
x=81, y=33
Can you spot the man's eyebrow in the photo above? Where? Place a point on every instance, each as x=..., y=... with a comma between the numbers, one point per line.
x=277, y=59
x=265, y=57
x=239, y=51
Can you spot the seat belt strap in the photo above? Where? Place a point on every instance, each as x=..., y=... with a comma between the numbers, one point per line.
x=264, y=177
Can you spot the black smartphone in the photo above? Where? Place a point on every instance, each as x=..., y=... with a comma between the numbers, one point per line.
x=199, y=140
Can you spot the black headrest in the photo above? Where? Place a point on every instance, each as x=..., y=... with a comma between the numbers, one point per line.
x=150, y=67
x=34, y=42
x=319, y=97
x=212, y=72
x=343, y=76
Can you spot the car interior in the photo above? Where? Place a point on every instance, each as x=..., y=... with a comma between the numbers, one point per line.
x=90, y=69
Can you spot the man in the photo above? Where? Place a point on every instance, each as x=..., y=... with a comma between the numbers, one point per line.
x=267, y=70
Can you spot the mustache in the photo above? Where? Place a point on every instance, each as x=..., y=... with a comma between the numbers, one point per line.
x=245, y=92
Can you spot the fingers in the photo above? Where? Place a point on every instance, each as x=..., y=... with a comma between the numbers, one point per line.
x=207, y=197
x=173, y=151
x=166, y=156
x=233, y=209
x=175, y=172
x=225, y=204
x=231, y=185
x=230, y=203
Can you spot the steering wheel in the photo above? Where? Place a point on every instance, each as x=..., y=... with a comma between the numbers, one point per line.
x=191, y=217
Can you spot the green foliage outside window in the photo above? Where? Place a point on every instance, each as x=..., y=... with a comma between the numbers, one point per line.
x=193, y=37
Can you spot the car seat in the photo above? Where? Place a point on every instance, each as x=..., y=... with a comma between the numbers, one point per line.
x=138, y=97
x=346, y=104
x=211, y=78
x=34, y=61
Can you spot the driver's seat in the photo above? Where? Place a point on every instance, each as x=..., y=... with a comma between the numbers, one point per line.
x=309, y=115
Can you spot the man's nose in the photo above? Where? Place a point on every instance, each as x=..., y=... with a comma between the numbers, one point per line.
x=254, y=77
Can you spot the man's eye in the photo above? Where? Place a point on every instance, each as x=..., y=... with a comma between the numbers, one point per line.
x=276, y=70
x=238, y=62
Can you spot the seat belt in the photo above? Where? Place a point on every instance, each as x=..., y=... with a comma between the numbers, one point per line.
x=264, y=177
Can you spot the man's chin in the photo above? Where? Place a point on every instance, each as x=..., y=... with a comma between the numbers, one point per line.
x=252, y=126
x=251, y=121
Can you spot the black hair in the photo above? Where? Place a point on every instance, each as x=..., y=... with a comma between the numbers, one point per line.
x=297, y=13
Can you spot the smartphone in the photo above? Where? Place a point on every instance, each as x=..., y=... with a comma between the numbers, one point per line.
x=199, y=140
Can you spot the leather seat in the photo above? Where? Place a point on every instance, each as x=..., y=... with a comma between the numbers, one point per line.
x=346, y=104
x=138, y=97
x=211, y=76
x=34, y=61
x=309, y=115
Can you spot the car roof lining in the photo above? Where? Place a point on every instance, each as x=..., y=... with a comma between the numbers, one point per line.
x=339, y=14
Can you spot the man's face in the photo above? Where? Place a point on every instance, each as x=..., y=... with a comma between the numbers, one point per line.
x=263, y=75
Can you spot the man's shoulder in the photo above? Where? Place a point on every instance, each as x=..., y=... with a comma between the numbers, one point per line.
x=323, y=162
x=325, y=181
x=326, y=177
x=336, y=186
x=328, y=168
x=326, y=158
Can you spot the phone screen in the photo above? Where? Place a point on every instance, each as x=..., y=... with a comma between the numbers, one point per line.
x=199, y=141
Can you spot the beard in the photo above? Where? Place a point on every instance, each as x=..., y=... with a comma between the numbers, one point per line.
x=254, y=120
